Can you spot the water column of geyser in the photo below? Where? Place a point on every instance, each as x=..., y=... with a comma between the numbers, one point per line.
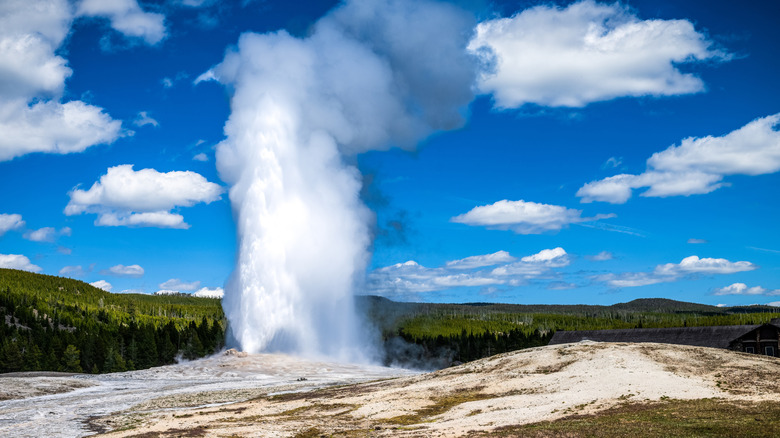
x=371, y=75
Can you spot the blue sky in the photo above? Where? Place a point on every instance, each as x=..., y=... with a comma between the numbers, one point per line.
x=546, y=191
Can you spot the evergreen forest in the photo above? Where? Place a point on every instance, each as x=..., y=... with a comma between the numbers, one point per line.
x=427, y=335
x=60, y=324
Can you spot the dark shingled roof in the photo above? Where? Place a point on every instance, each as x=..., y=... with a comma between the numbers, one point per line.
x=714, y=336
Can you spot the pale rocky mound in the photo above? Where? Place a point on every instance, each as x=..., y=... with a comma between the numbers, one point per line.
x=20, y=386
x=521, y=387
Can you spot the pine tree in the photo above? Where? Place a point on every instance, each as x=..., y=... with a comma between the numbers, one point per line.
x=11, y=357
x=71, y=359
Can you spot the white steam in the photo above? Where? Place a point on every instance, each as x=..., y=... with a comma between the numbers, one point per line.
x=372, y=75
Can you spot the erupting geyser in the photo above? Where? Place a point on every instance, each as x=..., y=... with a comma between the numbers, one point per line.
x=372, y=74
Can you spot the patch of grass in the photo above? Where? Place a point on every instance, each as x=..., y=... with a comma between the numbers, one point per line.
x=554, y=368
x=171, y=433
x=311, y=432
x=440, y=405
x=675, y=418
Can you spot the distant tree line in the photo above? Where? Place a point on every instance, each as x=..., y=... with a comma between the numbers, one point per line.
x=57, y=324
x=428, y=335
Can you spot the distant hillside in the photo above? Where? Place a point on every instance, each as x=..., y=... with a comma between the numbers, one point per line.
x=464, y=332
x=54, y=323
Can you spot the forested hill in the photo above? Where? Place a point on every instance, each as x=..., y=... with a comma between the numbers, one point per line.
x=464, y=332
x=61, y=324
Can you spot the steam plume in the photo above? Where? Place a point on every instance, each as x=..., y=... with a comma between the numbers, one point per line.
x=372, y=74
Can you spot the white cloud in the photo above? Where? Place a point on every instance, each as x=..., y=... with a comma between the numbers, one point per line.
x=9, y=222
x=205, y=292
x=547, y=256
x=774, y=304
x=53, y=127
x=410, y=278
x=481, y=261
x=166, y=82
x=178, y=285
x=601, y=257
x=124, y=197
x=103, y=284
x=669, y=272
x=73, y=271
x=126, y=17
x=46, y=234
x=694, y=241
x=586, y=52
x=144, y=119
x=18, y=261
x=32, y=80
x=524, y=217
x=201, y=157
x=535, y=265
x=743, y=289
x=124, y=271
x=695, y=265
x=697, y=165
x=633, y=279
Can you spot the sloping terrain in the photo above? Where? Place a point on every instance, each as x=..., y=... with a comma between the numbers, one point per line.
x=493, y=396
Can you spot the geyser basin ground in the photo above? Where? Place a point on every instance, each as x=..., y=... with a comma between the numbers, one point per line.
x=495, y=396
x=61, y=406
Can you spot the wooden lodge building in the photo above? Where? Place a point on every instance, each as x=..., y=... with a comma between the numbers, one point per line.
x=758, y=339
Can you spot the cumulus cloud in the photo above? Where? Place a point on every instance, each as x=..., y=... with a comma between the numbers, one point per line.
x=669, y=272
x=18, y=261
x=53, y=127
x=201, y=157
x=144, y=119
x=30, y=33
x=9, y=222
x=524, y=217
x=103, y=284
x=126, y=17
x=124, y=271
x=205, y=292
x=409, y=279
x=536, y=264
x=586, y=52
x=144, y=198
x=697, y=165
x=743, y=289
x=178, y=285
x=46, y=234
x=32, y=81
x=695, y=265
